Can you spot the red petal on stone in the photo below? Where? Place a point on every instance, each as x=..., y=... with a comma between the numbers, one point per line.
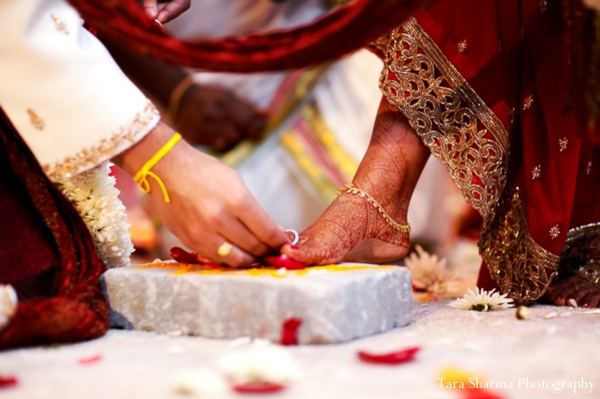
x=183, y=256
x=8, y=381
x=289, y=329
x=284, y=261
x=403, y=356
x=90, y=359
x=258, y=387
x=480, y=393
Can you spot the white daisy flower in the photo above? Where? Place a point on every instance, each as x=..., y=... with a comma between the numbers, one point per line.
x=95, y=197
x=482, y=301
x=429, y=274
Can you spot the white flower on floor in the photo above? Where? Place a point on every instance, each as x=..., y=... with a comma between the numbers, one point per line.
x=482, y=300
x=8, y=304
x=429, y=274
x=259, y=364
x=199, y=382
x=95, y=197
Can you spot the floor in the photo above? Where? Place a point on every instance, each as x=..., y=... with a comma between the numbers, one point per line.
x=555, y=345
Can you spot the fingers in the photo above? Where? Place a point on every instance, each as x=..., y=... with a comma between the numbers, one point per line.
x=260, y=224
x=172, y=10
x=238, y=234
x=211, y=248
x=151, y=8
x=250, y=121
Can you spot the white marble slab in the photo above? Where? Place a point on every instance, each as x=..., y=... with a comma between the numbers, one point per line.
x=335, y=304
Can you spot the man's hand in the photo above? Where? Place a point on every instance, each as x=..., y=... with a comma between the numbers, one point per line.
x=165, y=11
x=210, y=204
x=215, y=117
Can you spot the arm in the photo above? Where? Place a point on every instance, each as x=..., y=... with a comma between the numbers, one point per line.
x=75, y=109
x=207, y=114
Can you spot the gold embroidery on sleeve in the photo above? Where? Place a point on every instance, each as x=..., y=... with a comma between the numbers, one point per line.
x=106, y=149
x=37, y=122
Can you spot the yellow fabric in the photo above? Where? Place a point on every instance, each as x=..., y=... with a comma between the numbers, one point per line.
x=141, y=177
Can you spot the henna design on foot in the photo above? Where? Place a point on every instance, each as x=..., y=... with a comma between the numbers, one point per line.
x=351, y=229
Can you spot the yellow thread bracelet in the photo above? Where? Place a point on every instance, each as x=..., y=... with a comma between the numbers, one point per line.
x=141, y=177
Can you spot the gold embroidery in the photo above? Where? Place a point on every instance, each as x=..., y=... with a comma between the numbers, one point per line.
x=588, y=168
x=380, y=45
x=521, y=267
x=536, y=172
x=581, y=253
x=473, y=144
x=447, y=114
x=554, y=231
x=60, y=25
x=37, y=122
x=513, y=115
x=527, y=103
x=543, y=5
x=562, y=144
x=462, y=46
x=107, y=148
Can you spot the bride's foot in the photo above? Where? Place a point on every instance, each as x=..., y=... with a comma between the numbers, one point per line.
x=350, y=229
x=583, y=292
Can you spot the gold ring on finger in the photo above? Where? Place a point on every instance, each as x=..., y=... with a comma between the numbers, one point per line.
x=224, y=249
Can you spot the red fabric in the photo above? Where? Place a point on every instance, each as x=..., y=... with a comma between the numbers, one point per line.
x=504, y=70
x=55, y=230
x=338, y=33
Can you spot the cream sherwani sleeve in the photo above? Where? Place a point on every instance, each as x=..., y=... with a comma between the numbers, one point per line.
x=62, y=90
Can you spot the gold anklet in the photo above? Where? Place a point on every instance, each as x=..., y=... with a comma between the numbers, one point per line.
x=350, y=189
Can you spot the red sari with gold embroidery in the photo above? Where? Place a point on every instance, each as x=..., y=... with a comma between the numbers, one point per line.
x=487, y=86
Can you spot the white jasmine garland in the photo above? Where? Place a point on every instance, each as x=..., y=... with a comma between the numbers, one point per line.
x=8, y=304
x=94, y=195
x=482, y=301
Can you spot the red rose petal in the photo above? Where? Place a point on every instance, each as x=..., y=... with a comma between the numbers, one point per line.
x=8, y=381
x=403, y=356
x=258, y=387
x=90, y=359
x=289, y=329
x=183, y=256
x=284, y=261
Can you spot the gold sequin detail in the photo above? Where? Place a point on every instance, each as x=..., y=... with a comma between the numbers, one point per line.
x=447, y=114
x=562, y=144
x=588, y=168
x=60, y=25
x=527, y=103
x=536, y=172
x=521, y=267
x=543, y=5
x=554, y=231
x=462, y=46
x=37, y=122
x=106, y=149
